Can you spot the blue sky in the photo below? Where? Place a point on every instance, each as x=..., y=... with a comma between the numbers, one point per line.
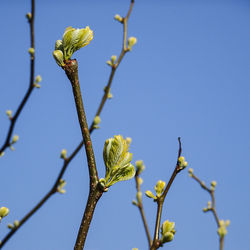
x=187, y=76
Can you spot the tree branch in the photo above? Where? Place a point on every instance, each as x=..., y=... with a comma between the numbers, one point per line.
x=13, y=119
x=67, y=161
x=160, y=201
x=212, y=208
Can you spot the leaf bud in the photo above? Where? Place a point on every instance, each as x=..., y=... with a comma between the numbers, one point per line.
x=63, y=154
x=29, y=16
x=10, y=226
x=113, y=59
x=213, y=184
x=167, y=231
x=16, y=223
x=150, y=195
x=159, y=187
x=31, y=52
x=118, y=18
x=134, y=203
x=9, y=114
x=58, y=56
x=4, y=211
x=131, y=42
x=97, y=121
x=190, y=171
x=139, y=166
x=38, y=79
x=15, y=139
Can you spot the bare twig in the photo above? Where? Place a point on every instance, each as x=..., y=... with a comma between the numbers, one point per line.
x=212, y=207
x=140, y=207
x=160, y=201
x=13, y=119
x=66, y=162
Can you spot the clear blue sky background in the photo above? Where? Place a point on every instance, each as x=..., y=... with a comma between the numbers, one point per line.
x=188, y=76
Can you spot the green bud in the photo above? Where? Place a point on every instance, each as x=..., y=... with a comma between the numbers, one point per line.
x=58, y=56
x=167, y=237
x=181, y=159
x=15, y=139
x=74, y=39
x=140, y=180
x=205, y=209
x=117, y=160
x=181, y=162
x=97, y=121
x=9, y=114
x=118, y=18
x=60, y=187
x=222, y=230
x=63, y=154
x=38, y=79
x=213, y=184
x=190, y=171
x=59, y=45
x=209, y=204
x=135, y=248
x=10, y=226
x=167, y=231
x=159, y=187
x=134, y=203
x=31, y=52
x=109, y=63
x=129, y=140
x=102, y=184
x=29, y=16
x=131, y=42
x=150, y=195
x=227, y=223
x=113, y=59
x=139, y=166
x=4, y=211
x=2, y=154
x=16, y=223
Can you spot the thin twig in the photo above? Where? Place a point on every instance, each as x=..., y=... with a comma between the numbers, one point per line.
x=212, y=208
x=66, y=162
x=13, y=119
x=160, y=201
x=140, y=207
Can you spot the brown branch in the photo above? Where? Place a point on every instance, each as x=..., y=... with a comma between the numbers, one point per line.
x=13, y=119
x=71, y=70
x=140, y=207
x=53, y=190
x=160, y=201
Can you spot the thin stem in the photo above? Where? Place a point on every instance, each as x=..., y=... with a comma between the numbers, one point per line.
x=140, y=207
x=160, y=201
x=13, y=119
x=221, y=243
x=74, y=153
x=212, y=208
x=124, y=50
